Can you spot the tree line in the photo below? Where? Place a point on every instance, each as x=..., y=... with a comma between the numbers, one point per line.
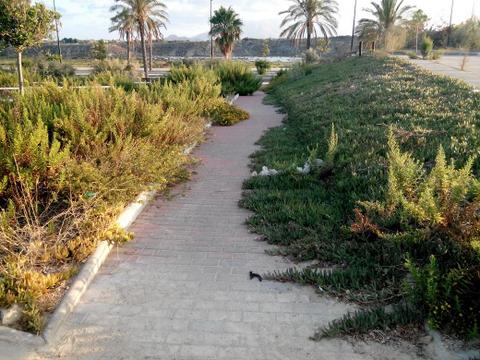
x=23, y=25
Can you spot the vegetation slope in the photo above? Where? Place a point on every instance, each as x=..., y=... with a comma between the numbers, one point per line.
x=386, y=209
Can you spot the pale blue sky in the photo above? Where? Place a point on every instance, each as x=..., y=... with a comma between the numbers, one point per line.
x=90, y=19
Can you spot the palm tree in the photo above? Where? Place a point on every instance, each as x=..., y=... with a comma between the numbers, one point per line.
x=124, y=23
x=307, y=18
x=142, y=11
x=387, y=14
x=226, y=28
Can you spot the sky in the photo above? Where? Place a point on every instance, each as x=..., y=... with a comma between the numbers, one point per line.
x=90, y=19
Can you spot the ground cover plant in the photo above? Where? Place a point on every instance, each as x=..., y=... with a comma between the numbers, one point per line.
x=70, y=159
x=393, y=207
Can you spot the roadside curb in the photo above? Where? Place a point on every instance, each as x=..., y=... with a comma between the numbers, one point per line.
x=82, y=281
x=92, y=266
x=20, y=337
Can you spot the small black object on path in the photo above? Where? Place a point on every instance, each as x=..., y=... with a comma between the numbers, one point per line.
x=255, y=276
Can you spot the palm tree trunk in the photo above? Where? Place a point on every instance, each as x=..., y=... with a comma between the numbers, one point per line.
x=144, y=49
x=150, y=51
x=228, y=52
x=128, y=48
x=309, y=39
x=20, y=73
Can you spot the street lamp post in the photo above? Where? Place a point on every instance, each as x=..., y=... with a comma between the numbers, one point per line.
x=59, y=49
x=449, y=33
x=354, y=23
x=211, y=36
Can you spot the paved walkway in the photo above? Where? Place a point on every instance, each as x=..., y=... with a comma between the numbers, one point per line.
x=451, y=66
x=181, y=289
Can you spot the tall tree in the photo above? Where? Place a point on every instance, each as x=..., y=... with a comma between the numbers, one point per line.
x=386, y=15
x=23, y=25
x=309, y=18
x=142, y=11
x=418, y=21
x=124, y=23
x=226, y=28
x=467, y=34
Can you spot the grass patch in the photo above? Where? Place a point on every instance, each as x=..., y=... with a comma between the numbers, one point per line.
x=374, y=225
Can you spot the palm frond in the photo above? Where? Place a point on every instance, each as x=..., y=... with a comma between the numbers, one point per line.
x=305, y=18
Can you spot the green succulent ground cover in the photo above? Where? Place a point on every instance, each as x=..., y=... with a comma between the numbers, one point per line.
x=395, y=219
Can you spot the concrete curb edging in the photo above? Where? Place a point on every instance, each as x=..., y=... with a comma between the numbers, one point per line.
x=20, y=337
x=91, y=267
x=86, y=275
x=77, y=289
x=81, y=282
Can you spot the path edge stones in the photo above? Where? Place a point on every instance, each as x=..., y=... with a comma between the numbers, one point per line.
x=82, y=281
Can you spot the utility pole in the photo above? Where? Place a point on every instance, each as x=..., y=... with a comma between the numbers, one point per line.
x=450, y=26
x=354, y=24
x=211, y=36
x=59, y=49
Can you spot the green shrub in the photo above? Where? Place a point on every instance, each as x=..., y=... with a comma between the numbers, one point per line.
x=427, y=47
x=182, y=73
x=107, y=78
x=437, y=54
x=112, y=66
x=443, y=206
x=281, y=77
x=262, y=66
x=28, y=63
x=311, y=56
x=99, y=50
x=237, y=78
x=8, y=79
x=115, y=67
x=113, y=73
x=412, y=55
x=54, y=69
x=195, y=84
x=187, y=62
x=225, y=114
x=297, y=71
x=70, y=160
